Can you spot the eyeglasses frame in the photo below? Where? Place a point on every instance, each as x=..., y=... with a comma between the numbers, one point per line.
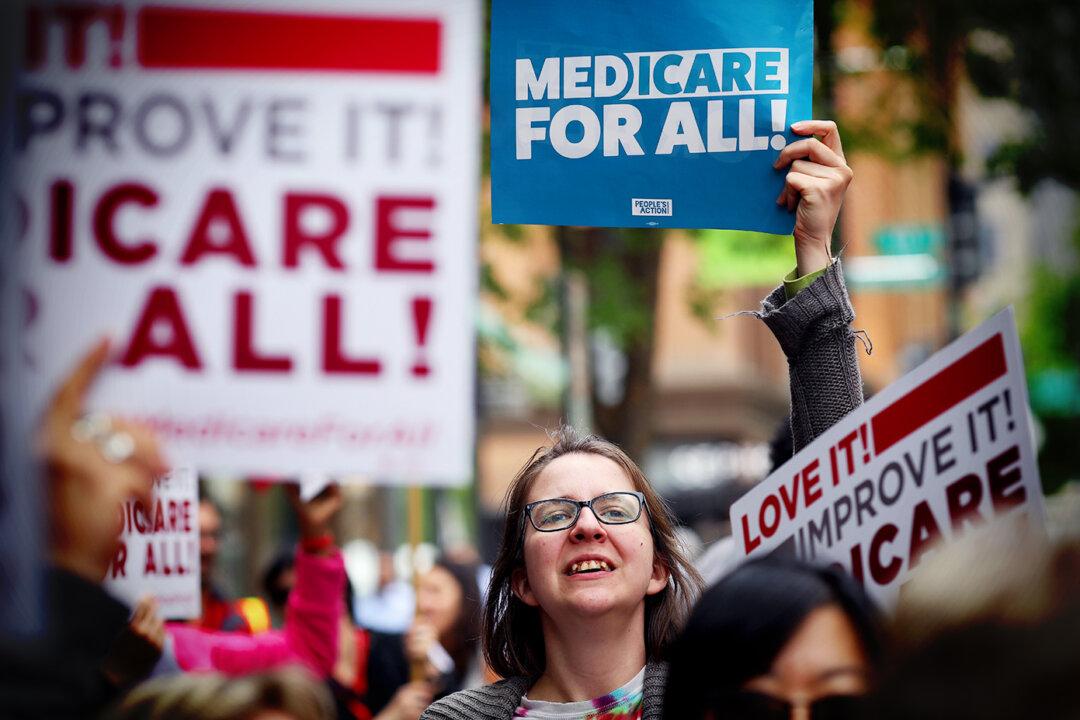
x=643, y=506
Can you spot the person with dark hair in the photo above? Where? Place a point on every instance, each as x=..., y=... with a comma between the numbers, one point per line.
x=277, y=582
x=308, y=635
x=90, y=465
x=95, y=649
x=371, y=677
x=776, y=639
x=443, y=637
x=448, y=603
x=988, y=628
x=590, y=586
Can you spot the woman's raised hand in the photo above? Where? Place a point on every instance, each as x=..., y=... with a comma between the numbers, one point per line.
x=817, y=179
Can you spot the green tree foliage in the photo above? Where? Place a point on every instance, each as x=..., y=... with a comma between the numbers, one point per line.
x=1050, y=336
x=1025, y=51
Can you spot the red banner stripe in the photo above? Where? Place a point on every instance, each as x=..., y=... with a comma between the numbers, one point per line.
x=954, y=384
x=175, y=38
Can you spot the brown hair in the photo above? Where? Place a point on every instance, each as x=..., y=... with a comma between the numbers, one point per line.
x=212, y=696
x=512, y=639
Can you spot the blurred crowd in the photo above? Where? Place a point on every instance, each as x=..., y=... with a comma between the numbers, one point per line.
x=593, y=608
x=988, y=628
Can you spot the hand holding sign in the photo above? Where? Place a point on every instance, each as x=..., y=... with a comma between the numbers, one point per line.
x=661, y=115
x=817, y=179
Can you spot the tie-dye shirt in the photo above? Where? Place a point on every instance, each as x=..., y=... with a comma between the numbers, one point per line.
x=623, y=703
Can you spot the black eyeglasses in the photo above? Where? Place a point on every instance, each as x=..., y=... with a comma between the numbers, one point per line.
x=746, y=705
x=614, y=508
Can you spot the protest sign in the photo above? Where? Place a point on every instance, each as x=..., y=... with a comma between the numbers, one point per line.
x=271, y=207
x=944, y=448
x=646, y=114
x=159, y=548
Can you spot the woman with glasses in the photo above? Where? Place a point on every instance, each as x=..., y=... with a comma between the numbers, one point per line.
x=590, y=586
x=776, y=640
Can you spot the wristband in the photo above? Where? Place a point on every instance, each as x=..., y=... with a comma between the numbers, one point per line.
x=317, y=544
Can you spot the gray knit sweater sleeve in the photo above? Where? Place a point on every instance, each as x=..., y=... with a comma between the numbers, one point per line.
x=497, y=701
x=814, y=331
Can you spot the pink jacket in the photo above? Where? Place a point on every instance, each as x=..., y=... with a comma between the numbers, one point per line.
x=309, y=636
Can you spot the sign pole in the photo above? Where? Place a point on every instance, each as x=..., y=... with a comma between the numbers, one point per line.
x=416, y=537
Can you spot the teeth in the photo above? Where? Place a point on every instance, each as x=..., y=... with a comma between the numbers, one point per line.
x=589, y=565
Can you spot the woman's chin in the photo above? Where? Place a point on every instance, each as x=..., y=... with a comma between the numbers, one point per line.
x=593, y=602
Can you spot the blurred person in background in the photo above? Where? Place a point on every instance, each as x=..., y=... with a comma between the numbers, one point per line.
x=279, y=695
x=375, y=671
x=776, y=639
x=278, y=580
x=372, y=675
x=95, y=648
x=310, y=633
x=90, y=466
x=247, y=614
x=390, y=609
x=443, y=638
x=348, y=680
x=988, y=629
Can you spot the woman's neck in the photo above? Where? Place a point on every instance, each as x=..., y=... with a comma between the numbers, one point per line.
x=591, y=657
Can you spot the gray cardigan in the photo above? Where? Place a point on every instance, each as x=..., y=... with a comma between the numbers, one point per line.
x=498, y=701
x=814, y=331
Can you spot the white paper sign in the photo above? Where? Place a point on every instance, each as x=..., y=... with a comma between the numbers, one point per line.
x=159, y=548
x=271, y=207
x=945, y=447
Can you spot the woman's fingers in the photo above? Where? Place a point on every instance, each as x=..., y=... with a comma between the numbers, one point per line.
x=811, y=148
x=825, y=129
x=811, y=176
x=813, y=169
x=797, y=185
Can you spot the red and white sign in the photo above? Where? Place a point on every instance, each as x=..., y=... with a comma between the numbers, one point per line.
x=946, y=447
x=159, y=549
x=271, y=207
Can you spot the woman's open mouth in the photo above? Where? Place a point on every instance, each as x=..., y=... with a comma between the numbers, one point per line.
x=585, y=567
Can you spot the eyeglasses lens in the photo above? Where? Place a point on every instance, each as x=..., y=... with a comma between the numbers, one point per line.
x=553, y=515
x=617, y=508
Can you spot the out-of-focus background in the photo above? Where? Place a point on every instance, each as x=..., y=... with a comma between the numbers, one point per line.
x=959, y=119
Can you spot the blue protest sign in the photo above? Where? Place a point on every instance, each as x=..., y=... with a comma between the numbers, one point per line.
x=651, y=113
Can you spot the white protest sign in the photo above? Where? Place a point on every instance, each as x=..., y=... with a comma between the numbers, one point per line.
x=159, y=548
x=946, y=447
x=272, y=208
